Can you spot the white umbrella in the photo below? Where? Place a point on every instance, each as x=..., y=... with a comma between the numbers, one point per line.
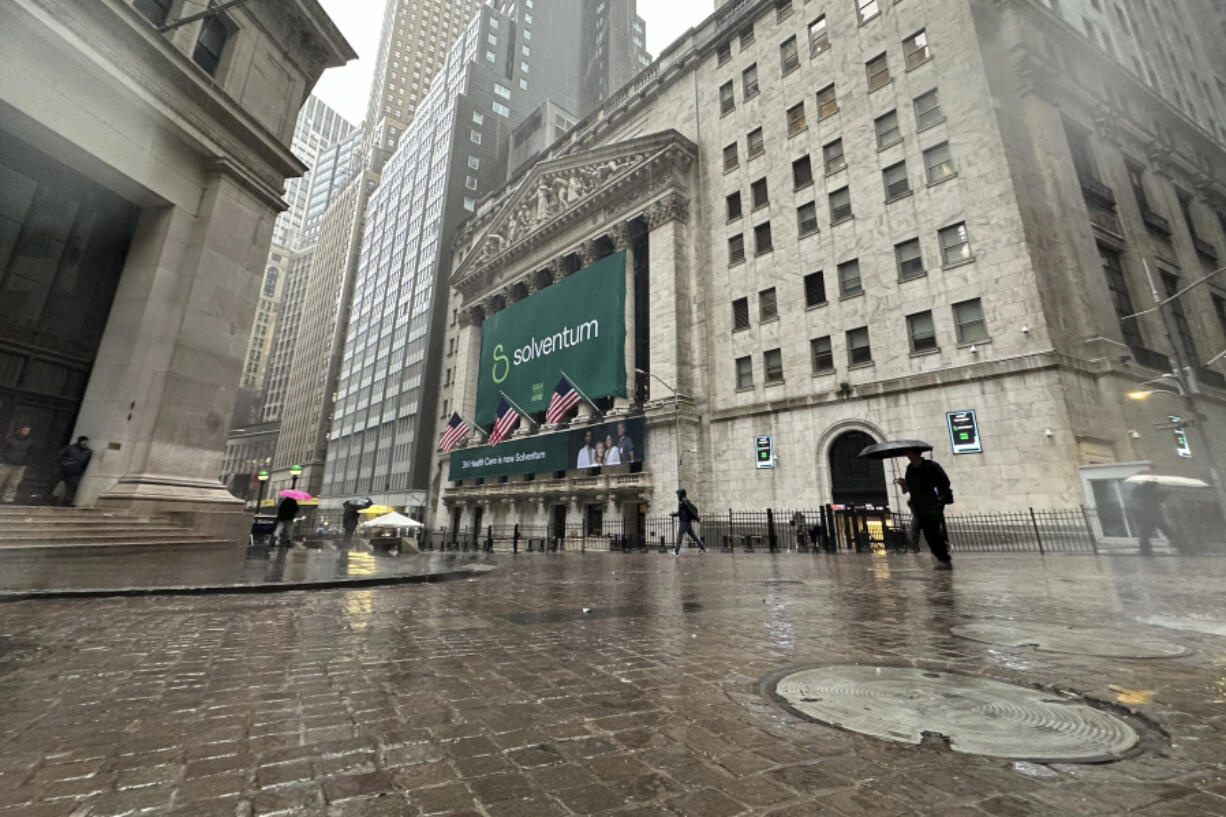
x=392, y=520
x=1166, y=481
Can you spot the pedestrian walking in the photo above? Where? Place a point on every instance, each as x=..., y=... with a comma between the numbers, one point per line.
x=349, y=522
x=73, y=461
x=14, y=457
x=287, y=512
x=798, y=523
x=687, y=515
x=930, y=492
x=1150, y=518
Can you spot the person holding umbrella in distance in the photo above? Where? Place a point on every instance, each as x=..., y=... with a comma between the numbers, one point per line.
x=929, y=488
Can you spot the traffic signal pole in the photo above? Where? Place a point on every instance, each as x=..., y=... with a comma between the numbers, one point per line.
x=1185, y=378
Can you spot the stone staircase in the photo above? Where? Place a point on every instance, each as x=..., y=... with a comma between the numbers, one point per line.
x=23, y=527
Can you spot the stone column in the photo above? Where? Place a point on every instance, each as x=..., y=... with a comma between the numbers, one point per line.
x=620, y=236
x=668, y=249
x=162, y=390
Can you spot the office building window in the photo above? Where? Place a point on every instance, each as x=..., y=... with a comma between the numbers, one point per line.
x=475, y=136
x=736, y=249
x=733, y=201
x=501, y=110
x=832, y=155
x=802, y=173
x=1171, y=284
x=878, y=70
x=731, y=160
x=762, y=239
x=840, y=205
x=759, y=193
x=928, y=110
x=749, y=81
x=772, y=363
x=783, y=10
x=768, y=305
x=796, y=119
x=866, y=10
x=755, y=146
x=211, y=43
x=888, y=131
x=895, y=179
x=744, y=373
x=474, y=163
x=955, y=245
x=502, y=91
x=922, y=332
x=155, y=10
x=1121, y=298
x=723, y=54
x=806, y=219
x=727, y=99
x=859, y=352
x=915, y=48
x=819, y=36
x=747, y=37
x=938, y=162
x=740, y=314
x=968, y=317
x=822, y=355
x=849, y=279
x=789, y=56
x=827, y=102
x=815, y=289
x=909, y=259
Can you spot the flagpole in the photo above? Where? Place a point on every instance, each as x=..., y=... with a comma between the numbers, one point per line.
x=575, y=386
x=522, y=413
x=471, y=424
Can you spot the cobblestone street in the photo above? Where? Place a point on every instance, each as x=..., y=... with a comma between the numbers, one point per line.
x=607, y=684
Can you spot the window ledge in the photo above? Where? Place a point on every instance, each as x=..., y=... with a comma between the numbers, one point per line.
x=762, y=206
x=968, y=344
x=792, y=70
x=957, y=264
x=803, y=186
x=930, y=125
x=763, y=252
x=751, y=96
x=885, y=84
x=859, y=294
x=843, y=220
x=899, y=197
x=868, y=20
x=810, y=307
x=736, y=329
x=917, y=277
x=732, y=264
x=809, y=233
x=919, y=64
x=734, y=218
x=889, y=145
x=756, y=156
x=823, y=118
x=926, y=352
x=830, y=173
x=944, y=179
x=728, y=170
x=728, y=112
x=764, y=321
x=772, y=383
x=825, y=372
x=742, y=389
x=796, y=133
x=866, y=365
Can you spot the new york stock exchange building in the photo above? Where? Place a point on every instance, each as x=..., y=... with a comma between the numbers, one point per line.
x=764, y=254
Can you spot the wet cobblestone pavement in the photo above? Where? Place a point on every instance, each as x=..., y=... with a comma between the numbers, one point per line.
x=500, y=696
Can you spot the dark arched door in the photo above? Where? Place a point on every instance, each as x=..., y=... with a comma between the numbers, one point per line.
x=855, y=481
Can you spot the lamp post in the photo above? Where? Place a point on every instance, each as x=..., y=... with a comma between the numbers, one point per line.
x=295, y=471
x=262, y=476
x=676, y=416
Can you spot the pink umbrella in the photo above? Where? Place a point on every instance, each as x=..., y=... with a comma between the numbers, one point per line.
x=301, y=496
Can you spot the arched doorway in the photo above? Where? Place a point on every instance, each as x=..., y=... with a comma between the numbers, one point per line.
x=855, y=481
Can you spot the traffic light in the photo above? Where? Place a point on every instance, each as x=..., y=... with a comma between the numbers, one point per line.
x=764, y=446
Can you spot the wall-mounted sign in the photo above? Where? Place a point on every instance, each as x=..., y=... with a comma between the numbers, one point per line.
x=577, y=325
x=620, y=442
x=1181, y=443
x=764, y=451
x=964, y=432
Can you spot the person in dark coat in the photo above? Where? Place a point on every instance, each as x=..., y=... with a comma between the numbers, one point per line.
x=686, y=515
x=1147, y=512
x=930, y=492
x=349, y=522
x=73, y=461
x=14, y=457
x=287, y=512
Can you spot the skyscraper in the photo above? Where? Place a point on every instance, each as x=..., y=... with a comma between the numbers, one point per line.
x=319, y=128
x=516, y=60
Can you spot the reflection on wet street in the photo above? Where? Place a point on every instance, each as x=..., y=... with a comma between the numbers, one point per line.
x=605, y=684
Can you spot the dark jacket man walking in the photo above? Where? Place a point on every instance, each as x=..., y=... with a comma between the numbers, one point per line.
x=686, y=515
x=14, y=457
x=930, y=492
x=73, y=461
x=287, y=512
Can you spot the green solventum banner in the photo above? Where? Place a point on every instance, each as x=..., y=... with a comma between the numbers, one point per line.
x=577, y=325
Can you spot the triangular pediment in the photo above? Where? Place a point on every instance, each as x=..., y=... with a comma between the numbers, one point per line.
x=555, y=193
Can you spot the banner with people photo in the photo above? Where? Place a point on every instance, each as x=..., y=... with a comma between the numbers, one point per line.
x=617, y=442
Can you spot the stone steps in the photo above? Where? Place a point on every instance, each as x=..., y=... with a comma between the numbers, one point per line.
x=32, y=528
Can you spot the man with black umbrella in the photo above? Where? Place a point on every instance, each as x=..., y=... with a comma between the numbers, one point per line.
x=349, y=521
x=930, y=492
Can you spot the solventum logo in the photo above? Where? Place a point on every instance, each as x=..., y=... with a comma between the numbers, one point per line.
x=537, y=348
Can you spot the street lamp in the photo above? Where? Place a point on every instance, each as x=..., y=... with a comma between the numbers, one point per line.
x=262, y=476
x=295, y=471
x=676, y=415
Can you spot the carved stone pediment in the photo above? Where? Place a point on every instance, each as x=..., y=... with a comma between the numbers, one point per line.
x=557, y=193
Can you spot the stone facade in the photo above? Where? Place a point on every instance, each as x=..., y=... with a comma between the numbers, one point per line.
x=192, y=125
x=1005, y=309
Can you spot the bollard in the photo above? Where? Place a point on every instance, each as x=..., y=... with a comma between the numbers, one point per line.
x=771, y=537
x=515, y=539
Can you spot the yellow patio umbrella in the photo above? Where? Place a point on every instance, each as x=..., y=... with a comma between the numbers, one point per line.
x=377, y=510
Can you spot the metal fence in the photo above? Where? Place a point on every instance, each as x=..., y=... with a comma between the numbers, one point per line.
x=827, y=529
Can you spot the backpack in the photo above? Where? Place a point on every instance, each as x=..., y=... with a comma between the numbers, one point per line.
x=692, y=510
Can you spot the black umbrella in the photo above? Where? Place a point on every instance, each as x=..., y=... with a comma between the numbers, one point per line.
x=893, y=448
x=358, y=502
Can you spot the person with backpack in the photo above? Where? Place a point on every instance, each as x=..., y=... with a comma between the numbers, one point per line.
x=930, y=492
x=687, y=515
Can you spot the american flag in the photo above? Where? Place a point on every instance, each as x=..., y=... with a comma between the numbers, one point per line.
x=563, y=400
x=505, y=419
x=456, y=430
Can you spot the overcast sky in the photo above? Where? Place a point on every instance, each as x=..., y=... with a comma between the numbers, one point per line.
x=346, y=89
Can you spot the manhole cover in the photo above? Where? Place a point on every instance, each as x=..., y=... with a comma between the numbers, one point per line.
x=977, y=716
x=1076, y=640
x=1196, y=625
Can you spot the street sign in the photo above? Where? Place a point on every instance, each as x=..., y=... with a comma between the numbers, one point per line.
x=964, y=432
x=1181, y=443
x=764, y=449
